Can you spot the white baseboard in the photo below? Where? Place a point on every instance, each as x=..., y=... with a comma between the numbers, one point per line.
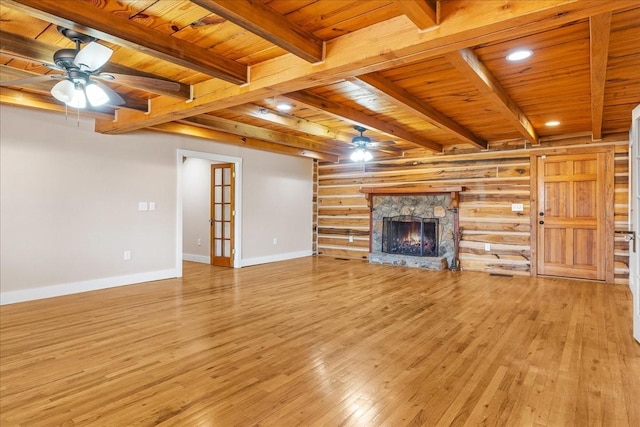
x=274, y=258
x=196, y=258
x=13, y=297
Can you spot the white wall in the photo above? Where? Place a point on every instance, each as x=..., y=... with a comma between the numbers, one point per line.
x=69, y=204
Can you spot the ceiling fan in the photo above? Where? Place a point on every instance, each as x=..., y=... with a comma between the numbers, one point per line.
x=82, y=69
x=79, y=84
x=363, y=146
x=80, y=65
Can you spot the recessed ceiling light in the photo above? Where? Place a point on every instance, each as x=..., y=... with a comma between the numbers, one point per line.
x=519, y=55
x=552, y=123
x=284, y=106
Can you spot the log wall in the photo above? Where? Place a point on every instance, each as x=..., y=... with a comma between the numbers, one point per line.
x=492, y=181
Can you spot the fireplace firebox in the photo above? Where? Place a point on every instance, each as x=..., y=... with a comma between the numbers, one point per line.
x=410, y=235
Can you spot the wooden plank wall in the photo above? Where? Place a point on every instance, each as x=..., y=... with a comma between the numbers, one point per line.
x=492, y=180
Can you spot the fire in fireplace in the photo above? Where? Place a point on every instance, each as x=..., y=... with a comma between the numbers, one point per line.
x=409, y=235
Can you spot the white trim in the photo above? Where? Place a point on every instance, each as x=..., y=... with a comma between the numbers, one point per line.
x=31, y=294
x=275, y=258
x=204, y=259
x=237, y=161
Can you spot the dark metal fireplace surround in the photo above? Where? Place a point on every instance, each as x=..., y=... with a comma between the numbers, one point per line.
x=410, y=235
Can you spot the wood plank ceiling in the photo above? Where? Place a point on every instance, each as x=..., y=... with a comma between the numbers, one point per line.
x=429, y=76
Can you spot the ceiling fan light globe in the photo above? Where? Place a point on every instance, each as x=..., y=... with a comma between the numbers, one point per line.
x=63, y=91
x=92, y=57
x=367, y=156
x=357, y=155
x=79, y=99
x=96, y=95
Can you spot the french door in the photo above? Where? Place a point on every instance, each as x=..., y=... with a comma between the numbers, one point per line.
x=574, y=216
x=634, y=218
x=222, y=214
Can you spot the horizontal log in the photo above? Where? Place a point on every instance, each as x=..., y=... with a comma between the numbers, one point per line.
x=343, y=254
x=344, y=190
x=495, y=254
x=497, y=225
x=501, y=197
x=330, y=231
x=342, y=201
x=344, y=222
x=333, y=241
x=468, y=213
x=507, y=238
x=399, y=177
x=342, y=211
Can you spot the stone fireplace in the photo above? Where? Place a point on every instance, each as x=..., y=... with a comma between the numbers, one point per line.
x=413, y=227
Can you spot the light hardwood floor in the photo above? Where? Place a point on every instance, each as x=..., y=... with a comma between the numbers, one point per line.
x=319, y=341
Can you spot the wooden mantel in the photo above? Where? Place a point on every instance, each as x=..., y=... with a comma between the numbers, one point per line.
x=411, y=191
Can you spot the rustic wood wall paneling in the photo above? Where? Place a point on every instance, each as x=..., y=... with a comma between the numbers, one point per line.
x=314, y=204
x=492, y=181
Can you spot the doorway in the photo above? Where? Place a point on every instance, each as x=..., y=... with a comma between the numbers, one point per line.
x=237, y=181
x=572, y=214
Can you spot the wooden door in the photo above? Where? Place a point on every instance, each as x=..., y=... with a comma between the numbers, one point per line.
x=574, y=215
x=222, y=214
x=634, y=219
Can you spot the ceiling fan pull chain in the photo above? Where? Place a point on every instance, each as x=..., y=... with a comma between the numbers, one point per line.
x=78, y=110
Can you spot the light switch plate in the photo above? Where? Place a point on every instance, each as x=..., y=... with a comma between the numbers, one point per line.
x=517, y=207
x=143, y=206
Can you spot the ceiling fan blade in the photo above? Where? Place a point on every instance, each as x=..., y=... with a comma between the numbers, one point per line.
x=114, y=98
x=92, y=57
x=146, y=83
x=32, y=80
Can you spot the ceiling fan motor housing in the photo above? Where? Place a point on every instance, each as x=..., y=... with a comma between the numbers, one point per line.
x=63, y=58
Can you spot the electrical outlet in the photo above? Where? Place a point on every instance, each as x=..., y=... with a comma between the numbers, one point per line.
x=275, y=240
x=199, y=242
x=152, y=206
x=487, y=247
x=126, y=255
x=350, y=239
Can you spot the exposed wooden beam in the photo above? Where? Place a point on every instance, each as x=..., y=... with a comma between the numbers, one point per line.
x=396, y=42
x=43, y=102
x=33, y=50
x=293, y=123
x=423, y=13
x=599, y=29
x=243, y=141
x=243, y=129
x=377, y=84
x=88, y=19
x=260, y=19
x=358, y=117
x=477, y=73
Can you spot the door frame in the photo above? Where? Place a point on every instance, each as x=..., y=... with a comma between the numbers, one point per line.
x=634, y=217
x=214, y=158
x=609, y=207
